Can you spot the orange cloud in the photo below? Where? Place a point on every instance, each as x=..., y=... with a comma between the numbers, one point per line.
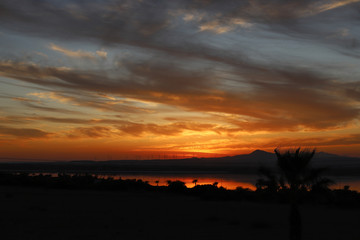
x=90, y=132
x=137, y=129
x=27, y=133
x=287, y=100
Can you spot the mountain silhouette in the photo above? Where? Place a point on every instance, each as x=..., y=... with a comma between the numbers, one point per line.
x=259, y=152
x=244, y=163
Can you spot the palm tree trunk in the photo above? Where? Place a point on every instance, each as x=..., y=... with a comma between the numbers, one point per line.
x=295, y=222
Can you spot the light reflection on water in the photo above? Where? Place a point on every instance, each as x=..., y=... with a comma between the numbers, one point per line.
x=228, y=181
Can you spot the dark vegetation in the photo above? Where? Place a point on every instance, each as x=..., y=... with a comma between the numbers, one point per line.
x=267, y=190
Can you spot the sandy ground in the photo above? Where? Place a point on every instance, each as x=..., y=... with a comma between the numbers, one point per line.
x=27, y=213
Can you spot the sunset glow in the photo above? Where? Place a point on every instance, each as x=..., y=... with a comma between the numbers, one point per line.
x=177, y=79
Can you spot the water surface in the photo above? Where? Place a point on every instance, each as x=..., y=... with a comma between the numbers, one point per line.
x=226, y=180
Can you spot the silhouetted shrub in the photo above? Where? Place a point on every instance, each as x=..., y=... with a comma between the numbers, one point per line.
x=176, y=186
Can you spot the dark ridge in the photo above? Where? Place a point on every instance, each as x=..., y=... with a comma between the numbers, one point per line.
x=246, y=163
x=260, y=152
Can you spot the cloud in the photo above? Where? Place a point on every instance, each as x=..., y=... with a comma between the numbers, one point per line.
x=339, y=140
x=129, y=128
x=100, y=102
x=81, y=121
x=107, y=127
x=109, y=21
x=215, y=27
x=26, y=133
x=153, y=27
x=79, y=53
x=102, y=53
x=233, y=146
x=219, y=28
x=138, y=129
x=323, y=6
x=22, y=99
x=90, y=132
x=45, y=108
x=50, y=95
x=69, y=53
x=38, y=105
x=273, y=99
x=123, y=128
x=14, y=120
x=150, y=24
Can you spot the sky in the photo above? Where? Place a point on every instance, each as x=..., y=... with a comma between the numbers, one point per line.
x=144, y=79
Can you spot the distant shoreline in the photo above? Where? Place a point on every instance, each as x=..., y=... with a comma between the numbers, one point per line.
x=240, y=164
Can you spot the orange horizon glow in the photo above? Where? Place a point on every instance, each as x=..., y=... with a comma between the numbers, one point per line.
x=61, y=146
x=48, y=151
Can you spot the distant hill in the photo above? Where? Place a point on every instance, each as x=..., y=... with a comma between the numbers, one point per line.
x=245, y=163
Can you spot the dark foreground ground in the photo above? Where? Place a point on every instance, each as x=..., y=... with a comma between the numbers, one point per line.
x=37, y=213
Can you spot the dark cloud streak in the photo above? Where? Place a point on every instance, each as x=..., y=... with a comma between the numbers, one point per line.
x=26, y=133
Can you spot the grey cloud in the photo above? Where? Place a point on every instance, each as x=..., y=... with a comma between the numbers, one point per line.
x=147, y=24
x=49, y=109
x=110, y=21
x=170, y=78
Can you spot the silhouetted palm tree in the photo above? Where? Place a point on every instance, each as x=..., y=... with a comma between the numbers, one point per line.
x=195, y=181
x=294, y=166
x=157, y=183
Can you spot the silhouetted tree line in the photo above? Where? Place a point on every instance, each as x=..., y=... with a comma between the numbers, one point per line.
x=73, y=181
x=267, y=190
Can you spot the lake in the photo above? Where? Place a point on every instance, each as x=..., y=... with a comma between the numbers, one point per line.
x=226, y=180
